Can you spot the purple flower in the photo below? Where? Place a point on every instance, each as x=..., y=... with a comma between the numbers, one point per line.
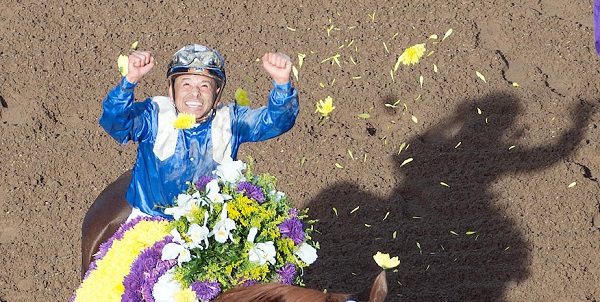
x=287, y=273
x=202, y=181
x=251, y=191
x=596, y=13
x=293, y=212
x=292, y=228
x=250, y=282
x=104, y=247
x=145, y=271
x=206, y=290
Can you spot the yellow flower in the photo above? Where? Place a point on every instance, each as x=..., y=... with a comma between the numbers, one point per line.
x=241, y=98
x=411, y=55
x=325, y=107
x=105, y=283
x=384, y=260
x=184, y=121
x=185, y=295
x=123, y=62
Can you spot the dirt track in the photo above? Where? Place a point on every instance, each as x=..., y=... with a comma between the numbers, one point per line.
x=506, y=154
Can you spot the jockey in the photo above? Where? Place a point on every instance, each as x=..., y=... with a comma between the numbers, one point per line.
x=169, y=157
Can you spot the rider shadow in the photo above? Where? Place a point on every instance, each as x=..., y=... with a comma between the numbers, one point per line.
x=454, y=241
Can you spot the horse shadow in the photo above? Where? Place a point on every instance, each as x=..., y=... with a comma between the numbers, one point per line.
x=444, y=219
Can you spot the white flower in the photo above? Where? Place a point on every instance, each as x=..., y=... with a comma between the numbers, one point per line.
x=167, y=289
x=307, y=253
x=262, y=253
x=184, y=204
x=198, y=233
x=223, y=227
x=230, y=170
x=176, y=249
x=277, y=195
x=252, y=234
x=213, y=192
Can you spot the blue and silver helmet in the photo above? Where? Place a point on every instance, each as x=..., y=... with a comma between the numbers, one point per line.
x=198, y=59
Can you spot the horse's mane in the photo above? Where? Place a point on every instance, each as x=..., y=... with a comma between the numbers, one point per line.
x=272, y=292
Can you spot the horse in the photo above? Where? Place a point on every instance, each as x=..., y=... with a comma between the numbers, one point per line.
x=272, y=292
x=103, y=218
x=110, y=209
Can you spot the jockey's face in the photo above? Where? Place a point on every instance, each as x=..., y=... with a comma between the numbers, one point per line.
x=194, y=94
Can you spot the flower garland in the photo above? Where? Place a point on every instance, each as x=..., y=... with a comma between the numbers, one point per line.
x=230, y=229
x=104, y=279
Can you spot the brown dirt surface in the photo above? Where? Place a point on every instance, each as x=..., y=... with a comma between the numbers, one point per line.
x=507, y=155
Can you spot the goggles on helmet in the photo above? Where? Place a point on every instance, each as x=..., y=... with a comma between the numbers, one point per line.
x=198, y=59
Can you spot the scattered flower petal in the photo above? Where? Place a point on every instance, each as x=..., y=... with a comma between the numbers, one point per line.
x=384, y=261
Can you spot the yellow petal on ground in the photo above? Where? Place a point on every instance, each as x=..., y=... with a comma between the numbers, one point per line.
x=123, y=63
x=411, y=55
x=364, y=115
x=470, y=233
x=134, y=45
x=241, y=97
x=421, y=81
x=384, y=261
x=301, y=57
x=515, y=84
x=290, y=28
x=457, y=145
x=386, y=48
x=511, y=147
x=447, y=34
x=355, y=209
x=339, y=166
x=392, y=75
x=356, y=77
x=435, y=68
x=572, y=184
x=433, y=37
x=414, y=119
x=430, y=53
x=295, y=72
x=350, y=153
x=386, y=215
x=394, y=234
x=478, y=110
x=453, y=233
x=406, y=161
x=479, y=75
x=444, y=184
x=372, y=16
x=335, y=211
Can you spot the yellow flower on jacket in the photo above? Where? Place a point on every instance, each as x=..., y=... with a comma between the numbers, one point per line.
x=411, y=55
x=384, y=260
x=325, y=107
x=184, y=121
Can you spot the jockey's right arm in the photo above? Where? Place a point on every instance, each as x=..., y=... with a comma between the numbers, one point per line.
x=122, y=118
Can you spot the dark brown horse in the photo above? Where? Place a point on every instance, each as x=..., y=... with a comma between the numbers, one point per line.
x=111, y=209
x=107, y=213
x=288, y=293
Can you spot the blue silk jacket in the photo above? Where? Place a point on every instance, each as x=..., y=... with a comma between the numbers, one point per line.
x=168, y=158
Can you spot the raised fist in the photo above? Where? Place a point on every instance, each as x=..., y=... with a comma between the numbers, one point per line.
x=140, y=63
x=279, y=67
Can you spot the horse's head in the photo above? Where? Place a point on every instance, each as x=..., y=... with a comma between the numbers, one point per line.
x=272, y=292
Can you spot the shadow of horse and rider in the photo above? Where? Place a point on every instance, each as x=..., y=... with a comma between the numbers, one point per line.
x=454, y=241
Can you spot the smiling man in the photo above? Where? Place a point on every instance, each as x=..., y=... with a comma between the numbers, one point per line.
x=168, y=157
